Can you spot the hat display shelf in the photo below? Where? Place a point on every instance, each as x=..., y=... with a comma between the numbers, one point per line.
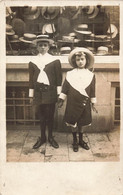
x=100, y=39
x=69, y=27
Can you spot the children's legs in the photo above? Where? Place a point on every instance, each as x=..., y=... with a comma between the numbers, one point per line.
x=81, y=141
x=75, y=143
x=41, y=140
x=50, y=122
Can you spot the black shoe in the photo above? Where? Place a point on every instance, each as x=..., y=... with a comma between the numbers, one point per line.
x=39, y=143
x=53, y=142
x=84, y=145
x=75, y=146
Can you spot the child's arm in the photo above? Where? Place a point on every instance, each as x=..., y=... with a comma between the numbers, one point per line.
x=93, y=97
x=63, y=94
x=31, y=84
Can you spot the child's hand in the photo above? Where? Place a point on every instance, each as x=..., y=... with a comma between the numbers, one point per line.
x=60, y=103
x=93, y=108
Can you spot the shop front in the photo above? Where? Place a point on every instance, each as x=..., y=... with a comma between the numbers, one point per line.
x=93, y=27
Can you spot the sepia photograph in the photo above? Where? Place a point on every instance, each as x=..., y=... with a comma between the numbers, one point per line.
x=63, y=100
x=61, y=97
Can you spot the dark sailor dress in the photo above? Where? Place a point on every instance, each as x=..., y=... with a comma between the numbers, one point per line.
x=79, y=87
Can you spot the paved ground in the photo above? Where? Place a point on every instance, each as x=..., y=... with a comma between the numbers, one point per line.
x=103, y=147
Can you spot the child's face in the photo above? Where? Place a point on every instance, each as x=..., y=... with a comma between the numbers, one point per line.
x=43, y=47
x=81, y=61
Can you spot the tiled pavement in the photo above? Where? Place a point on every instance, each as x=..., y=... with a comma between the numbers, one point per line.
x=103, y=147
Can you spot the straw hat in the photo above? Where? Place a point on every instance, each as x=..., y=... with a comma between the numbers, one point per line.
x=30, y=13
x=113, y=30
x=82, y=29
x=28, y=38
x=65, y=50
x=43, y=38
x=50, y=12
x=14, y=39
x=92, y=12
x=9, y=30
x=89, y=56
x=102, y=50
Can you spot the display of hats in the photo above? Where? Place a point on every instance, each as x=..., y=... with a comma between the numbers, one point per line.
x=30, y=13
x=102, y=50
x=9, y=30
x=48, y=28
x=14, y=39
x=89, y=55
x=92, y=12
x=112, y=30
x=65, y=50
x=50, y=12
x=43, y=38
x=28, y=38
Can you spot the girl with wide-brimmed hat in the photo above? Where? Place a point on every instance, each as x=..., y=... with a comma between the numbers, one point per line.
x=79, y=87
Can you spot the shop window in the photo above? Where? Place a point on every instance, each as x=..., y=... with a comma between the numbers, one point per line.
x=93, y=27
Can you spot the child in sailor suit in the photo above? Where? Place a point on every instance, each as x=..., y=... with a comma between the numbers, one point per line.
x=79, y=87
x=45, y=78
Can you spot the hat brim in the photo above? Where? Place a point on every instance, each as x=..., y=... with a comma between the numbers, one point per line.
x=12, y=32
x=83, y=32
x=101, y=53
x=91, y=9
x=88, y=53
x=114, y=34
x=50, y=41
x=15, y=41
x=25, y=41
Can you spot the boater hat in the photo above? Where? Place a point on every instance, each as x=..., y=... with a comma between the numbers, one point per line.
x=87, y=52
x=102, y=50
x=93, y=14
x=113, y=30
x=9, y=30
x=43, y=38
x=82, y=29
x=27, y=38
